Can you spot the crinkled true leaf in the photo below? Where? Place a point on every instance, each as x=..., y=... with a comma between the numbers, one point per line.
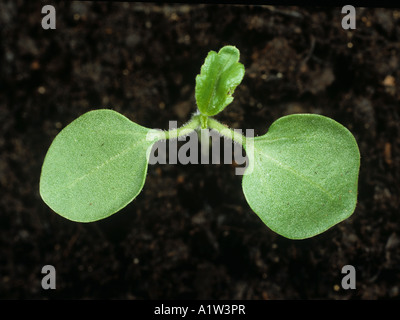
x=220, y=74
x=305, y=175
x=95, y=166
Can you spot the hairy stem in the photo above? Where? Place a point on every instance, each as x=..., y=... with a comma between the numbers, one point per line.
x=190, y=126
x=204, y=122
x=226, y=131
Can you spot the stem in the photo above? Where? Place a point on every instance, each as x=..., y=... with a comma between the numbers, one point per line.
x=226, y=131
x=190, y=126
x=204, y=122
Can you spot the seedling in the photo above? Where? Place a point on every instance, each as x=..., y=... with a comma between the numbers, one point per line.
x=302, y=179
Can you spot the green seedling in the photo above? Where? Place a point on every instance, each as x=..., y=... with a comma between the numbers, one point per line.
x=302, y=179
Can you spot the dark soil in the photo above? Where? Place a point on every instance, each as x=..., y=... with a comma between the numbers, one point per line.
x=190, y=233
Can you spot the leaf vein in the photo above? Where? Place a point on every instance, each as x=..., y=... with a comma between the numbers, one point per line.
x=101, y=165
x=298, y=174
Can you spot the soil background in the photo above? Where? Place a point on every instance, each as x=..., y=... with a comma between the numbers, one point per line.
x=190, y=233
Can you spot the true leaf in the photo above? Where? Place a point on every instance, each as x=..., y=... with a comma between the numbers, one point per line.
x=304, y=175
x=220, y=74
x=95, y=166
